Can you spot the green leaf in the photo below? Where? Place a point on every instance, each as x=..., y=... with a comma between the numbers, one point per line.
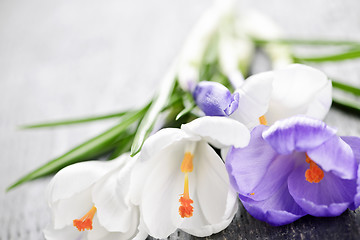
x=348, y=106
x=188, y=104
x=345, y=87
x=86, y=150
x=159, y=104
x=185, y=111
x=123, y=146
x=309, y=42
x=74, y=121
x=350, y=54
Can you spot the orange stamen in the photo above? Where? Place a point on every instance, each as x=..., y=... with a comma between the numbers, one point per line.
x=186, y=210
x=187, y=163
x=263, y=120
x=85, y=223
x=314, y=174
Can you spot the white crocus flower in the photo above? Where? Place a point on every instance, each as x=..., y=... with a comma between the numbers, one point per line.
x=259, y=26
x=199, y=40
x=90, y=200
x=274, y=95
x=235, y=53
x=181, y=182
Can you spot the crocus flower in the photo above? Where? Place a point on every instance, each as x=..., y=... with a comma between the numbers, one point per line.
x=295, y=167
x=181, y=182
x=198, y=41
x=90, y=200
x=269, y=96
x=259, y=26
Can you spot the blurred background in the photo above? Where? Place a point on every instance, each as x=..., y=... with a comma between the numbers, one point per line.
x=65, y=59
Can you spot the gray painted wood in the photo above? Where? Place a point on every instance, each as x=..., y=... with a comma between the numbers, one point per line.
x=75, y=58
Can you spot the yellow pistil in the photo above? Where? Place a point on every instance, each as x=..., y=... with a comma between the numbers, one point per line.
x=262, y=120
x=314, y=174
x=85, y=223
x=186, y=210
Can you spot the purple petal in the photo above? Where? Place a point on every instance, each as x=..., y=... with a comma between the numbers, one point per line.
x=354, y=143
x=276, y=174
x=298, y=133
x=335, y=156
x=357, y=195
x=257, y=171
x=234, y=104
x=330, y=197
x=247, y=166
x=214, y=99
x=279, y=209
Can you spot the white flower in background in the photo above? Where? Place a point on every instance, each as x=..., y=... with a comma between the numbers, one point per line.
x=235, y=53
x=199, y=40
x=90, y=200
x=258, y=26
x=181, y=182
x=269, y=96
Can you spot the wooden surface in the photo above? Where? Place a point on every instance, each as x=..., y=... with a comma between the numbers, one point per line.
x=61, y=59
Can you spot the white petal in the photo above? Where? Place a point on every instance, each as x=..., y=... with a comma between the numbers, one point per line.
x=69, y=233
x=139, y=176
x=219, y=131
x=162, y=188
x=215, y=203
x=64, y=211
x=100, y=233
x=294, y=90
x=320, y=106
x=154, y=145
x=224, y=152
x=254, y=100
x=142, y=231
x=162, y=139
x=78, y=177
x=111, y=197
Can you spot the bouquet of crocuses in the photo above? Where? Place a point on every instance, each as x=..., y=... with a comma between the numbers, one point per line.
x=211, y=137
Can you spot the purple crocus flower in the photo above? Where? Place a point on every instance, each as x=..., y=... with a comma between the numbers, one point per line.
x=297, y=166
x=214, y=99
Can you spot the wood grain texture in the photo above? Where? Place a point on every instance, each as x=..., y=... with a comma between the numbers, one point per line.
x=76, y=58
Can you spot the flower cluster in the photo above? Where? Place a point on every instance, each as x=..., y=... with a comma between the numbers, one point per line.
x=281, y=159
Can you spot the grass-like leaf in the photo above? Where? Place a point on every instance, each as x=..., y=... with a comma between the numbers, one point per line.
x=93, y=147
x=74, y=121
x=123, y=146
x=345, y=87
x=353, y=108
x=308, y=42
x=188, y=102
x=152, y=114
x=350, y=54
x=185, y=111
